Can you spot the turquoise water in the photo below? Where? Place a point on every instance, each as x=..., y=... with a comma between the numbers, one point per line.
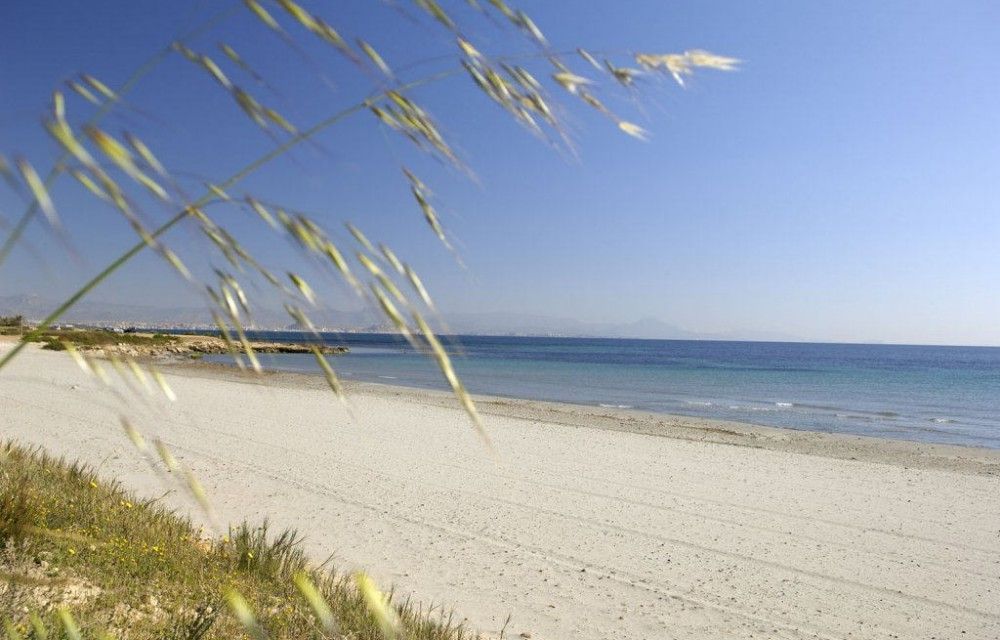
x=929, y=394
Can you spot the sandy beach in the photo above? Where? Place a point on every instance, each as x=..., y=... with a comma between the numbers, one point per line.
x=593, y=523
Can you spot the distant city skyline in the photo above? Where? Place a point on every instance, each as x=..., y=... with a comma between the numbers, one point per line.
x=362, y=320
x=839, y=187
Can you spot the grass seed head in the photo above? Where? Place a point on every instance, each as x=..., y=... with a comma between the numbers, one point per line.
x=99, y=86
x=169, y=461
x=263, y=15
x=378, y=605
x=71, y=629
x=374, y=56
x=331, y=376
x=244, y=614
x=589, y=58
x=38, y=190
x=360, y=237
x=83, y=92
x=164, y=387
x=316, y=602
x=418, y=286
x=570, y=81
x=303, y=287
x=134, y=435
x=444, y=363
x=633, y=130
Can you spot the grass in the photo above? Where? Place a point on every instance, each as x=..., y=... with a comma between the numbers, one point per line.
x=89, y=338
x=128, y=567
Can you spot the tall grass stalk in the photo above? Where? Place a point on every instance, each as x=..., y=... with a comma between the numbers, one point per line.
x=140, y=72
x=251, y=559
x=206, y=198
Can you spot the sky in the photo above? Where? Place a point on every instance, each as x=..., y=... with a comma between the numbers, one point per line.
x=842, y=185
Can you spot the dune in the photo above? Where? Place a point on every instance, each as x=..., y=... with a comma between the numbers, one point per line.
x=590, y=522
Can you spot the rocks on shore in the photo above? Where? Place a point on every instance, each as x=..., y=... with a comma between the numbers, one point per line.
x=183, y=345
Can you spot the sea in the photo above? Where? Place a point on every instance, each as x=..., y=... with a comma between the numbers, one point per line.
x=934, y=394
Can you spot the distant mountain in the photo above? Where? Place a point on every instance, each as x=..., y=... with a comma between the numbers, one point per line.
x=524, y=325
x=652, y=328
x=35, y=308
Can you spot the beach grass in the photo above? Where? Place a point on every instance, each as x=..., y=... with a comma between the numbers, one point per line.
x=78, y=551
x=55, y=340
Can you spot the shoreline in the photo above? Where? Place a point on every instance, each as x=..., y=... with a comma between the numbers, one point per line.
x=184, y=349
x=905, y=453
x=588, y=523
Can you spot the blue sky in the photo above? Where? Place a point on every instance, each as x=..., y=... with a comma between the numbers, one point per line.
x=843, y=185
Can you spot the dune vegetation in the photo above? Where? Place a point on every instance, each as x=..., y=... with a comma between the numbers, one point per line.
x=56, y=340
x=82, y=557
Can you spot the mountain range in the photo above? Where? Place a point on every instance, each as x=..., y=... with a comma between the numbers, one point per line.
x=35, y=307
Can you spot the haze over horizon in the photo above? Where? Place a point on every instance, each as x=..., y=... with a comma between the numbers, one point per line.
x=361, y=319
x=839, y=187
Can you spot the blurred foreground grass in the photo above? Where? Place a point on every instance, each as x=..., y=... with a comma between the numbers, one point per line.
x=123, y=567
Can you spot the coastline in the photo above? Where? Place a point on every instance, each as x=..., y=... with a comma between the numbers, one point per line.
x=589, y=522
x=905, y=453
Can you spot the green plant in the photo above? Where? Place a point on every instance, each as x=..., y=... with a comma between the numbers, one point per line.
x=84, y=338
x=131, y=566
x=253, y=551
x=20, y=508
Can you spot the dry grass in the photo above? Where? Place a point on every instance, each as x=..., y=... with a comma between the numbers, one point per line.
x=116, y=554
x=130, y=568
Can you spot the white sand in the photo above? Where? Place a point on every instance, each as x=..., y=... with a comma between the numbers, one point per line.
x=593, y=524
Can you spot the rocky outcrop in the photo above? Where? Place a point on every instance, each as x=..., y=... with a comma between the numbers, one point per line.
x=192, y=346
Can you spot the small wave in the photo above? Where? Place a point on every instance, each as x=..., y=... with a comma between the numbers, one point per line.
x=823, y=407
x=784, y=404
x=737, y=407
x=942, y=420
x=389, y=377
x=615, y=406
x=698, y=403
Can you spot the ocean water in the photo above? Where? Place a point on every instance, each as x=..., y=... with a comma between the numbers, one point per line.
x=924, y=393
